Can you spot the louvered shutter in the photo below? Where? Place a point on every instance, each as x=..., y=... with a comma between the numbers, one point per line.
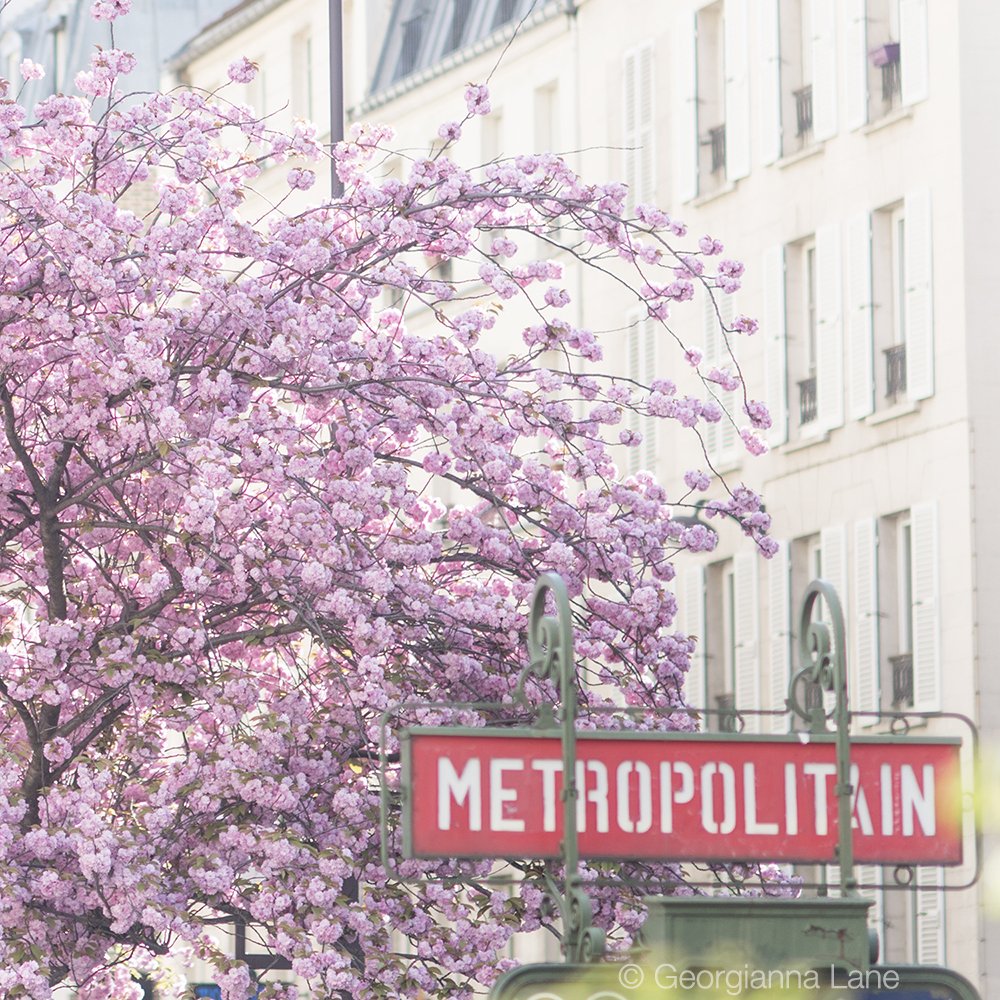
x=930, y=916
x=861, y=366
x=780, y=629
x=745, y=614
x=770, y=80
x=829, y=329
x=824, y=66
x=692, y=583
x=722, y=440
x=925, y=587
x=856, y=64
x=870, y=887
x=833, y=543
x=686, y=110
x=737, y=69
x=865, y=655
x=729, y=438
x=914, y=82
x=638, y=88
x=642, y=369
x=918, y=283
x=650, y=424
x=630, y=117
x=775, y=344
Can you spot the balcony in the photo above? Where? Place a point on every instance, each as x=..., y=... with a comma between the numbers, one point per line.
x=803, y=109
x=902, y=680
x=895, y=371
x=717, y=140
x=807, y=401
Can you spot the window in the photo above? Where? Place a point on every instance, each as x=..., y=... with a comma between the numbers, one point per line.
x=505, y=11
x=720, y=644
x=412, y=31
x=732, y=642
x=796, y=73
x=302, y=75
x=460, y=10
x=712, y=94
x=711, y=98
x=895, y=355
x=257, y=89
x=803, y=334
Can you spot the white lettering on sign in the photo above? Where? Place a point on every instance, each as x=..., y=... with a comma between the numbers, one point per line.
x=645, y=797
x=915, y=800
x=599, y=795
x=885, y=783
x=750, y=804
x=684, y=799
x=499, y=795
x=728, y=775
x=791, y=802
x=860, y=816
x=548, y=768
x=451, y=785
x=819, y=773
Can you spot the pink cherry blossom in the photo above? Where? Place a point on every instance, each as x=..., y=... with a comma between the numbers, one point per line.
x=262, y=483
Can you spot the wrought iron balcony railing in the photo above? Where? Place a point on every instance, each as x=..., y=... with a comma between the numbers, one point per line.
x=895, y=371
x=902, y=679
x=807, y=401
x=803, y=109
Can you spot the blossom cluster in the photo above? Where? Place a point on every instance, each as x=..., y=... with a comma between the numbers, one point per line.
x=248, y=506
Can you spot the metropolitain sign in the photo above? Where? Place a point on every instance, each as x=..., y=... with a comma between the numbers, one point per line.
x=679, y=796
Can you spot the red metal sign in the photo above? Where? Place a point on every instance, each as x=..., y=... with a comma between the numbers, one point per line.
x=679, y=797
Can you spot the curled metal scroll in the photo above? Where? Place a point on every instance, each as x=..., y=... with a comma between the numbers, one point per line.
x=825, y=663
x=550, y=648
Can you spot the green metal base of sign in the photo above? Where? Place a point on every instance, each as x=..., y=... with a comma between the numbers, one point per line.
x=626, y=981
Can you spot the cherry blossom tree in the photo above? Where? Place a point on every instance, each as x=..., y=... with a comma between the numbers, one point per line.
x=247, y=506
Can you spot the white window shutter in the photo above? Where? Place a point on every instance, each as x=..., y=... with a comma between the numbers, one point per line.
x=833, y=543
x=747, y=637
x=925, y=587
x=780, y=629
x=641, y=335
x=630, y=117
x=638, y=120
x=736, y=56
x=829, y=329
x=833, y=546
x=775, y=344
x=856, y=64
x=918, y=283
x=824, y=63
x=692, y=607
x=861, y=365
x=770, y=80
x=870, y=887
x=929, y=903
x=914, y=82
x=646, y=133
x=686, y=110
x=650, y=424
x=865, y=654
x=729, y=438
x=722, y=440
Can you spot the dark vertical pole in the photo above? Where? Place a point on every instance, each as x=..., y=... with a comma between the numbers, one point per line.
x=336, y=90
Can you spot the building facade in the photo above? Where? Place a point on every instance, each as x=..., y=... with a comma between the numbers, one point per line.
x=843, y=150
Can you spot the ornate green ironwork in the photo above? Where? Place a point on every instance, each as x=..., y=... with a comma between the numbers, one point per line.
x=825, y=664
x=550, y=647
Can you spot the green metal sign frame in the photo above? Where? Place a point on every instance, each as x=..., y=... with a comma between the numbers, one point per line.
x=550, y=645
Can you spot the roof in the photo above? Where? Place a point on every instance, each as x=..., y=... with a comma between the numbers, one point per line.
x=426, y=38
x=231, y=23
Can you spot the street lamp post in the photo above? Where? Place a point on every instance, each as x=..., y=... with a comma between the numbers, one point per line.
x=336, y=90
